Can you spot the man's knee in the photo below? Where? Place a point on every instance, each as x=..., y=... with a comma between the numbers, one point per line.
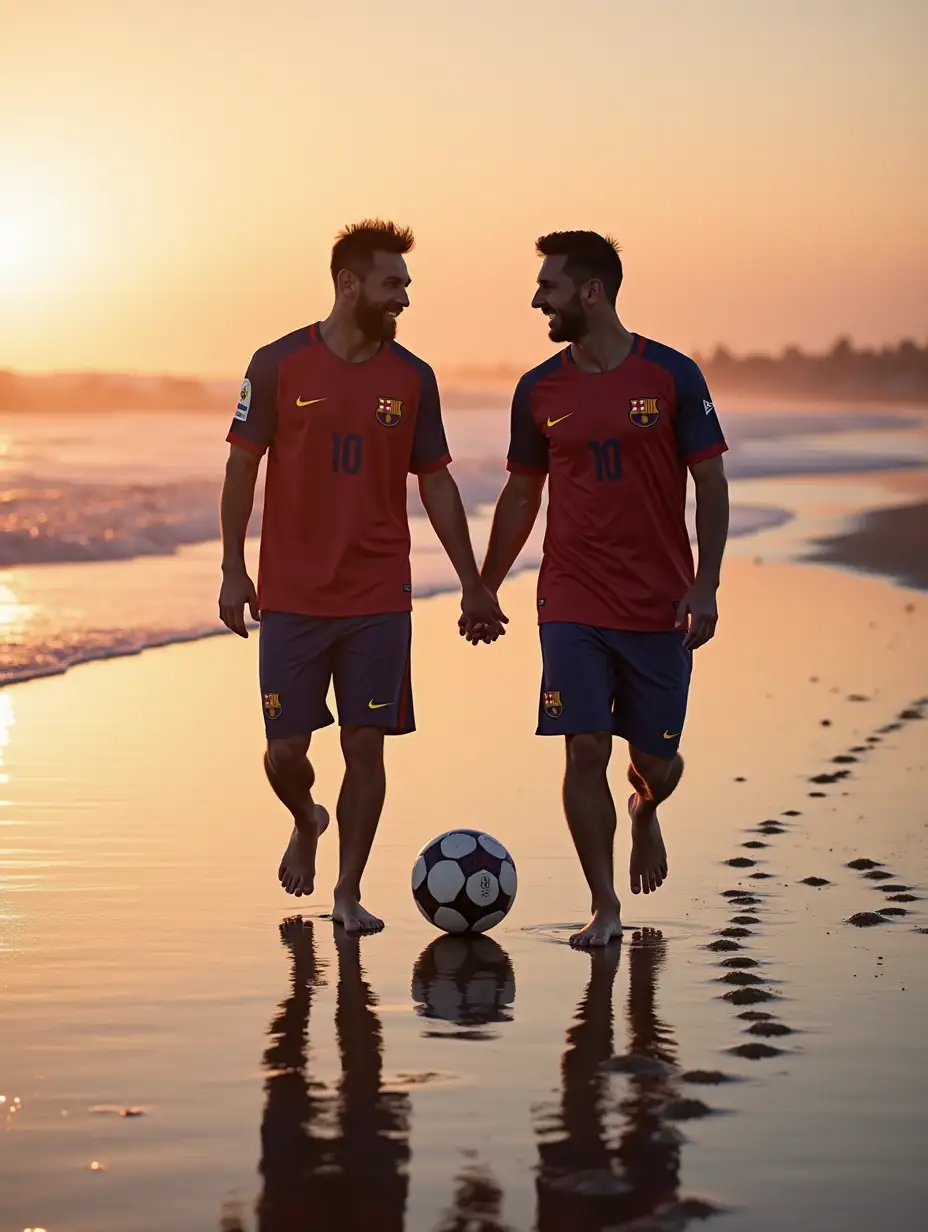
x=363, y=747
x=657, y=772
x=283, y=755
x=589, y=752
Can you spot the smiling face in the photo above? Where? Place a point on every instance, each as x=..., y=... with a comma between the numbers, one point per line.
x=559, y=298
x=381, y=296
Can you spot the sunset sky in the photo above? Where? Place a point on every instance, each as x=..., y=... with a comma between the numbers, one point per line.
x=172, y=172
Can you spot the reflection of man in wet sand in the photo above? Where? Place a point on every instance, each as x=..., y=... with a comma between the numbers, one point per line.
x=330, y=1161
x=478, y=1201
x=588, y=1177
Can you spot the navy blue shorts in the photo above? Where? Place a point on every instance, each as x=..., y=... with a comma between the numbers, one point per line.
x=367, y=657
x=632, y=684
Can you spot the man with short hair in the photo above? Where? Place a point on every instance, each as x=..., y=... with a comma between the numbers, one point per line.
x=613, y=422
x=344, y=413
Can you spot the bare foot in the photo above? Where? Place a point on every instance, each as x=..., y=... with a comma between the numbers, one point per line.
x=354, y=918
x=647, y=867
x=604, y=927
x=297, y=872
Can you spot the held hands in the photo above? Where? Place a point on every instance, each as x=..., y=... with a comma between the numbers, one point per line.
x=482, y=619
x=699, y=605
x=237, y=593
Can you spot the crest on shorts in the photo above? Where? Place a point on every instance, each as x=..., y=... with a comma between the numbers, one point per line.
x=554, y=707
x=389, y=411
x=643, y=412
x=272, y=705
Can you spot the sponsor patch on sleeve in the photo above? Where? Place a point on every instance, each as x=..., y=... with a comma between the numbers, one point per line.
x=244, y=400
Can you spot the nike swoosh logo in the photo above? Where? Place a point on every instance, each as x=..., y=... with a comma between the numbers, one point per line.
x=372, y=705
x=552, y=422
x=670, y=735
x=309, y=401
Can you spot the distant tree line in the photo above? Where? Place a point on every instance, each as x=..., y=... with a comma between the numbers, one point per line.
x=94, y=391
x=893, y=373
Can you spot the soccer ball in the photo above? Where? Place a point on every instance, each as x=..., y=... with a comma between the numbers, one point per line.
x=464, y=881
x=468, y=981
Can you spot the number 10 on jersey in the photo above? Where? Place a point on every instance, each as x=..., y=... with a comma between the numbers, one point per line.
x=607, y=459
x=346, y=453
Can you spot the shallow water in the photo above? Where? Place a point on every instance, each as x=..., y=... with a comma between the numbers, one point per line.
x=283, y=1078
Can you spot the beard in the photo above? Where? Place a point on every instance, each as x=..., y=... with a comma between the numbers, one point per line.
x=372, y=320
x=569, y=323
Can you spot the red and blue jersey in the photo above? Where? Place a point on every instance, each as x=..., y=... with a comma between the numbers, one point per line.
x=341, y=439
x=615, y=447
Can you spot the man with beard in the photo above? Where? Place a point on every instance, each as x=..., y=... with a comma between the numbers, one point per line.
x=345, y=413
x=613, y=422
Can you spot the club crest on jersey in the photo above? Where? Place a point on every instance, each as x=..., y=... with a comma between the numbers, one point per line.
x=272, y=705
x=643, y=412
x=389, y=411
x=554, y=707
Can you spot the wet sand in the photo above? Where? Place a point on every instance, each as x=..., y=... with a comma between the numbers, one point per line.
x=745, y=1052
x=891, y=542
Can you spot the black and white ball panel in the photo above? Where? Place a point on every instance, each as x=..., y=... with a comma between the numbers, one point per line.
x=464, y=881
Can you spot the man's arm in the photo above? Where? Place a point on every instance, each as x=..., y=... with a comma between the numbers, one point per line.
x=236, y=503
x=445, y=509
x=515, y=515
x=711, y=536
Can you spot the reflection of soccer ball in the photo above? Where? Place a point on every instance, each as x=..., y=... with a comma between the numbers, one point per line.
x=465, y=980
x=464, y=881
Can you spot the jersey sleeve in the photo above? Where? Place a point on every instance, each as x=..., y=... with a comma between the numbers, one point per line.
x=429, y=444
x=528, y=445
x=699, y=433
x=255, y=418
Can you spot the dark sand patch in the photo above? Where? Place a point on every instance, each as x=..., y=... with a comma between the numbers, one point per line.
x=893, y=911
x=903, y=898
x=909, y=715
x=860, y=748
x=755, y=1016
x=746, y=900
x=815, y=881
x=878, y=874
x=821, y=795
x=723, y=946
x=741, y=964
x=862, y=862
x=761, y=876
x=834, y=777
x=792, y=813
x=896, y=888
x=745, y=919
x=741, y=862
x=736, y=931
x=843, y=759
x=756, y=1052
x=865, y=919
x=889, y=542
x=857, y=697
x=755, y=844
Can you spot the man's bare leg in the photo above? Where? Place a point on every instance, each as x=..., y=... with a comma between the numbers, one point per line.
x=590, y=812
x=360, y=803
x=654, y=779
x=290, y=774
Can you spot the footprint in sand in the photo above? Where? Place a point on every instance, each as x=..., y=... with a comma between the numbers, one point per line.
x=745, y=919
x=755, y=844
x=893, y=911
x=742, y=963
x=708, y=1077
x=742, y=979
x=862, y=862
x=770, y=1029
x=741, y=862
x=756, y=1052
x=865, y=919
x=735, y=932
x=792, y=813
x=761, y=876
x=748, y=996
x=896, y=888
x=756, y=1016
x=815, y=881
x=903, y=898
x=722, y=946
x=687, y=1110
x=745, y=900
x=843, y=759
x=878, y=874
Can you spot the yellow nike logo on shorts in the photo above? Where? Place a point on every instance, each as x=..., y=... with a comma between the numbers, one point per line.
x=372, y=705
x=670, y=735
x=552, y=422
